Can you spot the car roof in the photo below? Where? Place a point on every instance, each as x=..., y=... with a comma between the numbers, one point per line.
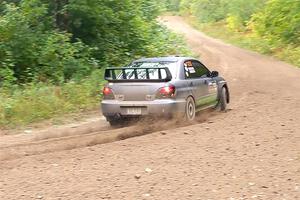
x=163, y=59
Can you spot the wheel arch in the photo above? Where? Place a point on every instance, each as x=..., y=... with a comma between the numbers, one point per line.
x=190, y=95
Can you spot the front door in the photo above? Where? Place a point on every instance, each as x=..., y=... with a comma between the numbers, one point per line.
x=195, y=83
x=207, y=86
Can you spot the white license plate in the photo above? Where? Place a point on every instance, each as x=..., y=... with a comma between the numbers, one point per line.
x=134, y=111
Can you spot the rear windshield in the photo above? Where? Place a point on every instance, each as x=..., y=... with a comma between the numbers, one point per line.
x=153, y=72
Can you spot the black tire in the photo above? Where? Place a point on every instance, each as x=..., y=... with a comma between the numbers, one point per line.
x=114, y=122
x=222, y=104
x=190, y=109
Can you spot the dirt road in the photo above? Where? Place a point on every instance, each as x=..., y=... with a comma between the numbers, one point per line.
x=250, y=152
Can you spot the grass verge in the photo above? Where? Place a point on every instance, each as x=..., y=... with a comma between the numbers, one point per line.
x=35, y=102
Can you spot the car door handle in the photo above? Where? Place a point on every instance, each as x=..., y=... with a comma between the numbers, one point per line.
x=191, y=84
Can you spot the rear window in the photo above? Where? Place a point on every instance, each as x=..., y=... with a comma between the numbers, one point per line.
x=153, y=72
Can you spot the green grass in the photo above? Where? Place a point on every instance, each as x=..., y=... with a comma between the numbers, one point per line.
x=248, y=40
x=32, y=103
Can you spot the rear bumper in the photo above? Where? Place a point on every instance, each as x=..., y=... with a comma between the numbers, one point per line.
x=112, y=108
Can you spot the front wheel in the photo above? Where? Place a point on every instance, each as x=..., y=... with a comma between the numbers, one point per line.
x=190, y=109
x=222, y=104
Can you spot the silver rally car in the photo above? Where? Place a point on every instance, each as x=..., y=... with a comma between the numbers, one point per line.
x=164, y=86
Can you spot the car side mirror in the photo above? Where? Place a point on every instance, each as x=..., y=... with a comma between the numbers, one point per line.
x=214, y=74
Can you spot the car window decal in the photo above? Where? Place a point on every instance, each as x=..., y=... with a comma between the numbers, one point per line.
x=191, y=70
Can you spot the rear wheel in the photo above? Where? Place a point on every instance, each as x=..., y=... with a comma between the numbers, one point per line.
x=114, y=122
x=190, y=109
x=222, y=104
x=122, y=121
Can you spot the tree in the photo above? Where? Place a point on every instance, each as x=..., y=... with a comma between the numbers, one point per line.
x=279, y=21
x=33, y=51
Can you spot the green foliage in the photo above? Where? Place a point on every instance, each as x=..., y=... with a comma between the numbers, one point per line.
x=284, y=26
x=234, y=23
x=289, y=53
x=119, y=31
x=209, y=11
x=40, y=101
x=267, y=26
x=172, y=5
x=216, y=10
x=33, y=52
x=186, y=7
x=6, y=76
x=57, y=41
x=243, y=10
x=52, y=52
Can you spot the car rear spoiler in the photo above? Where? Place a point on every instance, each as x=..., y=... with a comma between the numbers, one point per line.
x=121, y=74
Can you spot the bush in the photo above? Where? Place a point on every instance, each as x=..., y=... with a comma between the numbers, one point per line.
x=234, y=23
x=52, y=53
x=31, y=52
x=279, y=21
x=267, y=26
x=35, y=102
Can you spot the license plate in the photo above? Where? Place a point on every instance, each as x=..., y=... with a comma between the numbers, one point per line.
x=134, y=111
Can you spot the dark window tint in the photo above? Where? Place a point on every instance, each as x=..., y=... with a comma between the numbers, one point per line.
x=201, y=70
x=194, y=69
x=171, y=65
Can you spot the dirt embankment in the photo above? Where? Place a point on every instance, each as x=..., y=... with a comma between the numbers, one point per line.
x=250, y=152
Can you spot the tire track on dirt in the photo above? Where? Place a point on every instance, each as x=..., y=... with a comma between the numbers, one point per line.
x=45, y=144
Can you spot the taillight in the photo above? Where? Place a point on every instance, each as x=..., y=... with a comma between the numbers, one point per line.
x=108, y=93
x=166, y=92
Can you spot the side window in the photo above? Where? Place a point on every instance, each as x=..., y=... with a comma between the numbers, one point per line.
x=194, y=69
x=201, y=70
